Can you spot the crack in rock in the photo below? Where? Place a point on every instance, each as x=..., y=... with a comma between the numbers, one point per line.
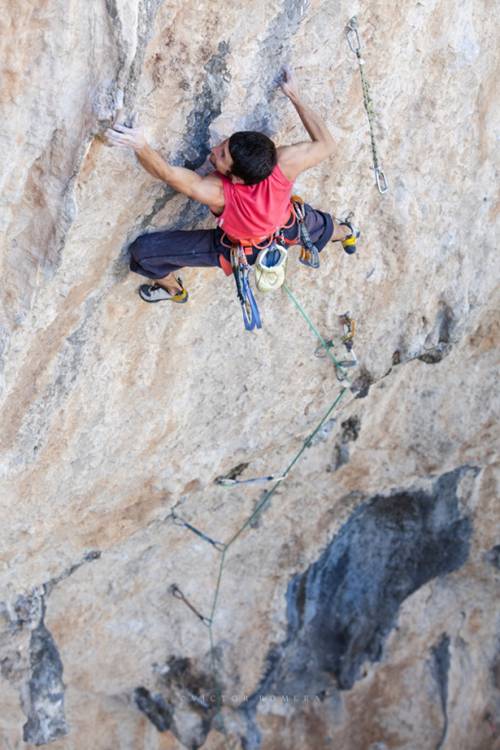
x=42, y=699
x=45, y=704
x=88, y=557
x=440, y=669
x=120, y=93
x=493, y=556
x=147, y=14
x=208, y=108
x=274, y=51
x=155, y=708
x=350, y=432
x=442, y=331
x=42, y=692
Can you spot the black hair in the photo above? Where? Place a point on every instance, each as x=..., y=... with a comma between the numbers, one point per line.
x=254, y=156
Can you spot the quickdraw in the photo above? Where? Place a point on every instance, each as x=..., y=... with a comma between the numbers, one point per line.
x=275, y=244
x=176, y=591
x=241, y=273
x=178, y=521
x=354, y=42
x=349, y=329
x=309, y=253
x=230, y=482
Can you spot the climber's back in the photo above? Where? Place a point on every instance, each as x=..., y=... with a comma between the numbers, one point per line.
x=254, y=211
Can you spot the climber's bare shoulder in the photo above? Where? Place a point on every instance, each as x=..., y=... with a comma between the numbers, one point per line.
x=207, y=190
x=298, y=157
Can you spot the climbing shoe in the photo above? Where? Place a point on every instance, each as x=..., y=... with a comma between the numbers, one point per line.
x=349, y=244
x=157, y=293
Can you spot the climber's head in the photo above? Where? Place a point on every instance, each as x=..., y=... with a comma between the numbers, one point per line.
x=247, y=155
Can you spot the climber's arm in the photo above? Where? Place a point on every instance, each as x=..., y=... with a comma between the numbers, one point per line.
x=301, y=156
x=207, y=190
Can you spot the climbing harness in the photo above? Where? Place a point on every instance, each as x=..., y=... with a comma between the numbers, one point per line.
x=175, y=591
x=270, y=269
x=271, y=262
x=348, y=330
x=352, y=35
x=309, y=253
x=241, y=273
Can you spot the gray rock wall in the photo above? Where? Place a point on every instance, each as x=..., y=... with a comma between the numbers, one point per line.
x=359, y=608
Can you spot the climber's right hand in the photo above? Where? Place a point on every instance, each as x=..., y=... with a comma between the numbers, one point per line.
x=121, y=135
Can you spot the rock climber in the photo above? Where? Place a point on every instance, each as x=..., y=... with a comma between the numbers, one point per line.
x=249, y=194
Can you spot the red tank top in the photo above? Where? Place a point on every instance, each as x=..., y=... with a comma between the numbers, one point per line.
x=255, y=211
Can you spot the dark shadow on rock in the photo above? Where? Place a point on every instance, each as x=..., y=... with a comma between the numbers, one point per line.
x=350, y=430
x=274, y=51
x=440, y=669
x=193, y=155
x=185, y=701
x=46, y=719
x=155, y=708
x=493, y=556
x=444, y=324
x=361, y=385
x=208, y=107
x=342, y=608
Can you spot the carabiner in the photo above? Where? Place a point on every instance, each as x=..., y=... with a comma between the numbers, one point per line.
x=349, y=325
x=175, y=591
x=322, y=349
x=226, y=482
x=219, y=546
x=353, y=362
x=340, y=373
x=352, y=35
x=382, y=184
x=251, y=315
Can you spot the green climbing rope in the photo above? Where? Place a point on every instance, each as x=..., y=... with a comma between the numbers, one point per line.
x=223, y=547
x=209, y=621
x=324, y=344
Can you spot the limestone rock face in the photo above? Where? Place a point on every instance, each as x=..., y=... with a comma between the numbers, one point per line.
x=355, y=605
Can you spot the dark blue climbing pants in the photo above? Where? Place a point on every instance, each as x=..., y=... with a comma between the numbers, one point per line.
x=159, y=253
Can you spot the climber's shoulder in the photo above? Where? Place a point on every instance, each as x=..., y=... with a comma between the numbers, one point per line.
x=210, y=191
x=298, y=157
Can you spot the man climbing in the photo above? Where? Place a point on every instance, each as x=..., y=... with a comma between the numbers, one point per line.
x=249, y=194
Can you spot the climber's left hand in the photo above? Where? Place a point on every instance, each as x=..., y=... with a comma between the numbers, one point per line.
x=288, y=83
x=121, y=135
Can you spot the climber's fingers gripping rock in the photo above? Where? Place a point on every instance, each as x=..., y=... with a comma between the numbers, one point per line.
x=121, y=135
x=288, y=82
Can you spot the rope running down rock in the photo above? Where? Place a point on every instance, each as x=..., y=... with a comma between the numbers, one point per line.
x=223, y=547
